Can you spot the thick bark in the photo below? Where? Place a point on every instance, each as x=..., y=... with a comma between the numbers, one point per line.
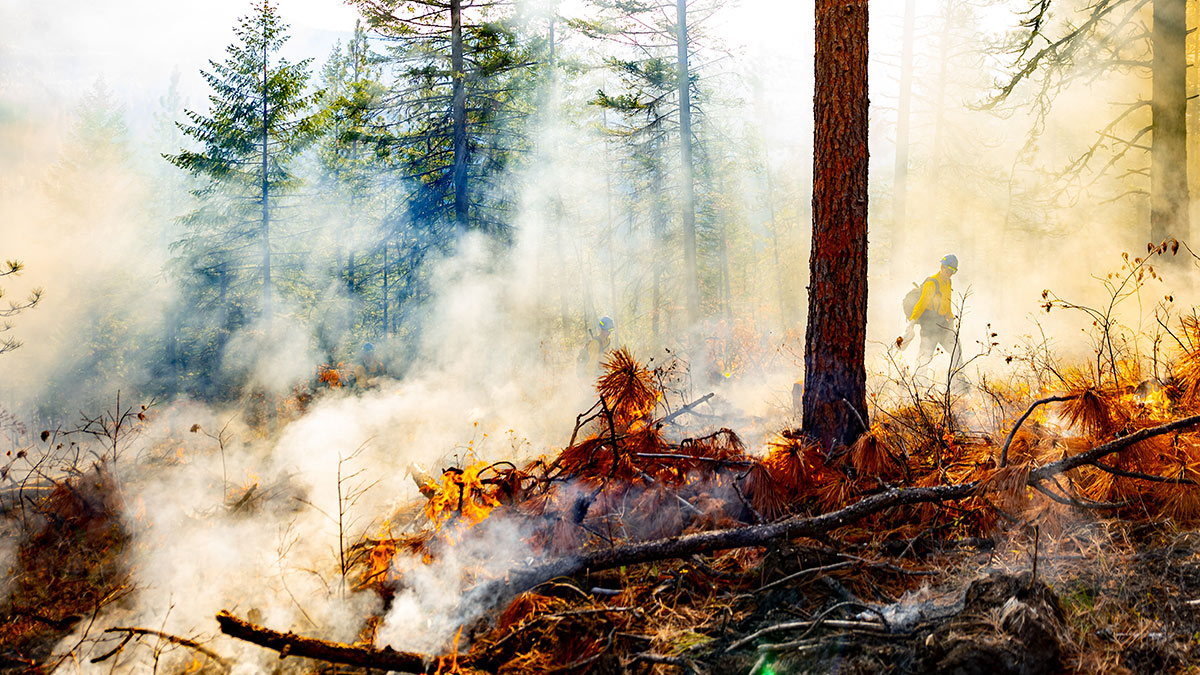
x=834, y=371
x=460, y=117
x=1168, y=166
x=691, y=273
x=290, y=644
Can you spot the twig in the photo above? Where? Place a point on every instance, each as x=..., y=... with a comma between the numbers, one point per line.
x=810, y=624
x=131, y=631
x=665, y=660
x=1143, y=476
x=583, y=662
x=685, y=409
x=811, y=570
x=1011, y=434
x=758, y=519
x=1071, y=501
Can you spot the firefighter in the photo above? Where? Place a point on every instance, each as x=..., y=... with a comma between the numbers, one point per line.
x=368, y=369
x=592, y=355
x=933, y=313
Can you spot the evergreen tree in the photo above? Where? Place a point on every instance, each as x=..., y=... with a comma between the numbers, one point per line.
x=456, y=113
x=664, y=46
x=352, y=189
x=259, y=119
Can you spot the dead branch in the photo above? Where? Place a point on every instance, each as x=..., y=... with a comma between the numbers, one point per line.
x=685, y=409
x=131, y=632
x=523, y=578
x=1008, y=440
x=1142, y=476
x=1075, y=461
x=290, y=644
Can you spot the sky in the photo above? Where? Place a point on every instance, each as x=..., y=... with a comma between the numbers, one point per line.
x=54, y=49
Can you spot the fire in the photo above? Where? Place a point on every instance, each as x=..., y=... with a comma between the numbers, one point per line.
x=379, y=559
x=462, y=494
x=330, y=376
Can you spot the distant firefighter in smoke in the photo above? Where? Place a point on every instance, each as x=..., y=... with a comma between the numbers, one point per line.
x=369, y=368
x=928, y=306
x=591, y=356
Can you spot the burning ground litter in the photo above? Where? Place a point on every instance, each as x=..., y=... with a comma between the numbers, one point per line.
x=1057, y=542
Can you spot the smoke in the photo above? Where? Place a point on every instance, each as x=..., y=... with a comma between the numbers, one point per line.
x=252, y=519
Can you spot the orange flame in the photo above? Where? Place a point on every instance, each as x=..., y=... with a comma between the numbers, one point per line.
x=463, y=494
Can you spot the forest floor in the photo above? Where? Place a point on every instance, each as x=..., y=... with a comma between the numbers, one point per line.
x=1064, y=545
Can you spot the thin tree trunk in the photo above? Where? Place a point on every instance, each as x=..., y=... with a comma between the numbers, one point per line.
x=691, y=273
x=1168, y=171
x=900, y=187
x=460, y=117
x=834, y=371
x=266, y=216
x=386, y=328
x=785, y=310
x=657, y=218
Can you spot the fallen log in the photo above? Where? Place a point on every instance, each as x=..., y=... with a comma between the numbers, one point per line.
x=290, y=644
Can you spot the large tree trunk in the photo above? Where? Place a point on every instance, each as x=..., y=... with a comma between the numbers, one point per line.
x=834, y=372
x=460, y=117
x=691, y=273
x=1168, y=167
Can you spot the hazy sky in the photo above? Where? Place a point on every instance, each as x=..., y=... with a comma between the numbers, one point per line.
x=51, y=50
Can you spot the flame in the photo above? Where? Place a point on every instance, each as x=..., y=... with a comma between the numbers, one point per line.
x=329, y=375
x=379, y=558
x=463, y=494
x=454, y=669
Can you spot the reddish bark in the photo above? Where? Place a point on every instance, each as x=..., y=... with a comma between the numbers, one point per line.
x=834, y=372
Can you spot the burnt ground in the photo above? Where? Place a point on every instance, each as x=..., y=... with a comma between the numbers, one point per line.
x=1114, y=597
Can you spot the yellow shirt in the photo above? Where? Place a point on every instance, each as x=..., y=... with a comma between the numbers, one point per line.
x=935, y=297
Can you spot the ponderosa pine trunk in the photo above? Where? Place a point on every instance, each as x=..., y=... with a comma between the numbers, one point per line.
x=835, y=340
x=459, y=96
x=1168, y=165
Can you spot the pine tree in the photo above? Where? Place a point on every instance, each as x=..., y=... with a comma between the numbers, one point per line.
x=259, y=119
x=665, y=46
x=835, y=376
x=352, y=185
x=455, y=116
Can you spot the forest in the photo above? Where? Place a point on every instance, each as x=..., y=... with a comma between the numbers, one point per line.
x=599, y=336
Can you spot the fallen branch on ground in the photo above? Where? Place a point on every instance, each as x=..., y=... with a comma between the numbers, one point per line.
x=522, y=579
x=1012, y=434
x=290, y=644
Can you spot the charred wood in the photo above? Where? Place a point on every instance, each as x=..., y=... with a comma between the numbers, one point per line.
x=290, y=644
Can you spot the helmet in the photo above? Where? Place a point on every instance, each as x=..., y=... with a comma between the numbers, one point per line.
x=606, y=323
x=951, y=261
x=368, y=347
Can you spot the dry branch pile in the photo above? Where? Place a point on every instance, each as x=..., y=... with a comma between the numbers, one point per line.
x=648, y=554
